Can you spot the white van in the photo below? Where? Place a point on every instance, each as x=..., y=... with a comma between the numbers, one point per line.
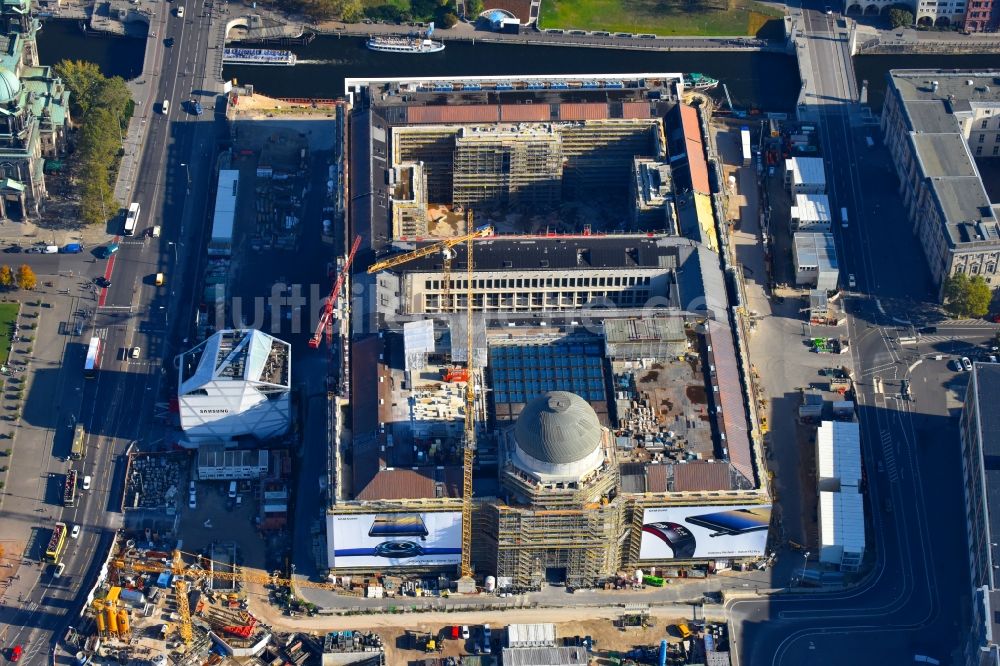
x=165, y=107
x=843, y=217
x=51, y=249
x=232, y=489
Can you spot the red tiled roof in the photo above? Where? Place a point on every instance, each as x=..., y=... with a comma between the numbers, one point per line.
x=635, y=110
x=525, y=113
x=730, y=398
x=583, y=111
x=702, y=475
x=464, y=113
x=425, y=482
x=656, y=477
x=695, y=150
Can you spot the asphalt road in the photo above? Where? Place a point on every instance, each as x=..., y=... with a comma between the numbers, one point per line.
x=172, y=188
x=915, y=598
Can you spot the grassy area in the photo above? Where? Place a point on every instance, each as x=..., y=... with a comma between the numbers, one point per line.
x=8, y=315
x=660, y=17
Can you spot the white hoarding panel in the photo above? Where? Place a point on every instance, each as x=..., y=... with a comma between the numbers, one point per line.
x=397, y=539
x=701, y=532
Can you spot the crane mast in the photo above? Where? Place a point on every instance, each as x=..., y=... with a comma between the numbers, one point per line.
x=469, y=436
x=326, y=318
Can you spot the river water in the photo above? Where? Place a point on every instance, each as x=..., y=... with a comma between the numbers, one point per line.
x=767, y=81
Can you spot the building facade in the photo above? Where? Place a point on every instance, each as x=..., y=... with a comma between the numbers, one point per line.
x=979, y=429
x=34, y=115
x=936, y=124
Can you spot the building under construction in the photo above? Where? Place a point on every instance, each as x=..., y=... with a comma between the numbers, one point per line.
x=601, y=444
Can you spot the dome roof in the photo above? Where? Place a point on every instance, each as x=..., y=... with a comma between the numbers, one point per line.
x=10, y=85
x=558, y=428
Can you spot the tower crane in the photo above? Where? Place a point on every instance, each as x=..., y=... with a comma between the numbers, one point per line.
x=184, y=573
x=469, y=444
x=326, y=319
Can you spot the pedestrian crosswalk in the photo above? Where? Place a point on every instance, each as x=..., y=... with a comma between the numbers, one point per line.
x=889, y=455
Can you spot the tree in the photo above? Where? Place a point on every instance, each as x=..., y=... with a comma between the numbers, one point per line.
x=900, y=18
x=473, y=8
x=351, y=11
x=449, y=19
x=967, y=297
x=84, y=81
x=26, y=278
x=6, y=276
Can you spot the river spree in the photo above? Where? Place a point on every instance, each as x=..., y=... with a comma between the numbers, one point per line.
x=767, y=81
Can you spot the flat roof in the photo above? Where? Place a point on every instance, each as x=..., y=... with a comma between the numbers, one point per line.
x=943, y=155
x=816, y=249
x=562, y=252
x=812, y=208
x=649, y=328
x=934, y=103
x=842, y=520
x=838, y=452
x=806, y=170
x=225, y=206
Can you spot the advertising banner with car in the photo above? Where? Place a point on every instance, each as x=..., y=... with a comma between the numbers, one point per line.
x=396, y=539
x=702, y=532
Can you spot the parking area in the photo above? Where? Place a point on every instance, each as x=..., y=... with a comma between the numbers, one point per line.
x=218, y=518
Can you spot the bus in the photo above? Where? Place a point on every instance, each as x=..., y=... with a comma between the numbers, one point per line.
x=131, y=219
x=79, y=449
x=93, y=361
x=69, y=489
x=57, y=542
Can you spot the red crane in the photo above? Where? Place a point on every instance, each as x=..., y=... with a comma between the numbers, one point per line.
x=325, y=319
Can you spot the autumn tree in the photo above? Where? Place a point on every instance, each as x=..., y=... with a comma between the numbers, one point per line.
x=967, y=297
x=6, y=276
x=26, y=278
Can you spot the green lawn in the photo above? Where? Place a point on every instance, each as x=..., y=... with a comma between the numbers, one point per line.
x=660, y=17
x=8, y=315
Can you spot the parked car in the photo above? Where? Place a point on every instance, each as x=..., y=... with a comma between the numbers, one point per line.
x=966, y=364
x=72, y=248
x=15, y=654
x=134, y=353
x=107, y=250
x=465, y=632
x=13, y=249
x=180, y=12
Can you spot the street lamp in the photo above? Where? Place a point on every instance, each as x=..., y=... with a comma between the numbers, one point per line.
x=187, y=170
x=805, y=562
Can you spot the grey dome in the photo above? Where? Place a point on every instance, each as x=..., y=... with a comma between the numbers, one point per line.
x=10, y=85
x=558, y=428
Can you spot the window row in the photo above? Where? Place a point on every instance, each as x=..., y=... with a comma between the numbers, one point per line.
x=541, y=283
x=432, y=302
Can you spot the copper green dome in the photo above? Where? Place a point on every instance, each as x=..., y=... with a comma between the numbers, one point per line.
x=10, y=85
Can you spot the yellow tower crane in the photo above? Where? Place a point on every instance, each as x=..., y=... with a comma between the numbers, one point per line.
x=469, y=447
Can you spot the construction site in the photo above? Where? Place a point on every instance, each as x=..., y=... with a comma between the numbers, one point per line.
x=495, y=434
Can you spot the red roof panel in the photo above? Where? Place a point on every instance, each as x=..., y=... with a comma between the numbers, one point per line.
x=465, y=113
x=695, y=150
x=525, y=113
x=635, y=110
x=583, y=111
